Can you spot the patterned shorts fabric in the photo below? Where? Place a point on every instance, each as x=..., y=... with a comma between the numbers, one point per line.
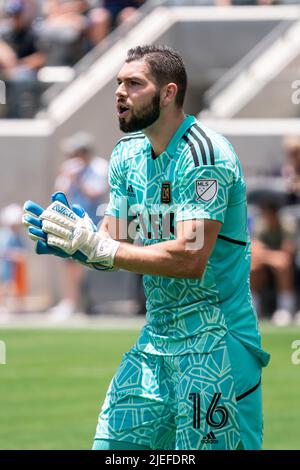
x=206, y=401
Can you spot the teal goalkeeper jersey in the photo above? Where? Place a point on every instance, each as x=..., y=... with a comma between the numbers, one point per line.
x=198, y=176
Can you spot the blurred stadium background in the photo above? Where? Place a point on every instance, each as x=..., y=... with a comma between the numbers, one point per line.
x=243, y=63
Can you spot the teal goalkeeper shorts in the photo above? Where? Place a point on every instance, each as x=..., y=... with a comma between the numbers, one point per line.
x=205, y=401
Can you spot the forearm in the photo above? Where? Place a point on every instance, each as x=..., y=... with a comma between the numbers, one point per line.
x=7, y=56
x=34, y=61
x=168, y=259
x=184, y=257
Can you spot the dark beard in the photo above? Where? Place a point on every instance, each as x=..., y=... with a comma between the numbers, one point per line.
x=144, y=118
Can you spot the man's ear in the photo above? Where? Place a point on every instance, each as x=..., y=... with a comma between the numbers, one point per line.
x=168, y=93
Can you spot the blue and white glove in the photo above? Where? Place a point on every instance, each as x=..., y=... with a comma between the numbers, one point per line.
x=53, y=230
x=70, y=232
x=31, y=220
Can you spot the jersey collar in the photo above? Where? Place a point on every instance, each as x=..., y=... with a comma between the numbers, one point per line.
x=172, y=145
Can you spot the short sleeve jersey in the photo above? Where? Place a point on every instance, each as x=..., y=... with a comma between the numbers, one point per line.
x=198, y=176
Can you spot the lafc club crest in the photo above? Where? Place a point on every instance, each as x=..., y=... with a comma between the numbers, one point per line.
x=206, y=189
x=166, y=192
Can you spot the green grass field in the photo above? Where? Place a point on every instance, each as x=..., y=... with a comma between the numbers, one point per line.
x=54, y=383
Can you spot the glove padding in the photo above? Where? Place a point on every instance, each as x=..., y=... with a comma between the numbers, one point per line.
x=33, y=220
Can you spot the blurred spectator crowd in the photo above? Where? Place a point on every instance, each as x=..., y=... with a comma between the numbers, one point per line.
x=50, y=33
x=274, y=221
x=38, y=34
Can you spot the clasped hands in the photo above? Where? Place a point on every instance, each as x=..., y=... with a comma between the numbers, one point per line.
x=69, y=233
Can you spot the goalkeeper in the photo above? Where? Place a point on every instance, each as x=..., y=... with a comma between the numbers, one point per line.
x=193, y=378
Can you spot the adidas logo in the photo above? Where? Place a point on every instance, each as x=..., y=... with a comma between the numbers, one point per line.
x=130, y=190
x=210, y=438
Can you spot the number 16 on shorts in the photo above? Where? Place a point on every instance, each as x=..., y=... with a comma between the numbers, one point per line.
x=216, y=416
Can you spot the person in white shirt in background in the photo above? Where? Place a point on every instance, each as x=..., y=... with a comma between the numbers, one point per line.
x=13, y=266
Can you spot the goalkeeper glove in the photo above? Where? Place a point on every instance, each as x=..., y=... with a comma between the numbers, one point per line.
x=70, y=233
x=32, y=220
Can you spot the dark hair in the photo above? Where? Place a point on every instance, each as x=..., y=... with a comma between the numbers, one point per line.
x=166, y=66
